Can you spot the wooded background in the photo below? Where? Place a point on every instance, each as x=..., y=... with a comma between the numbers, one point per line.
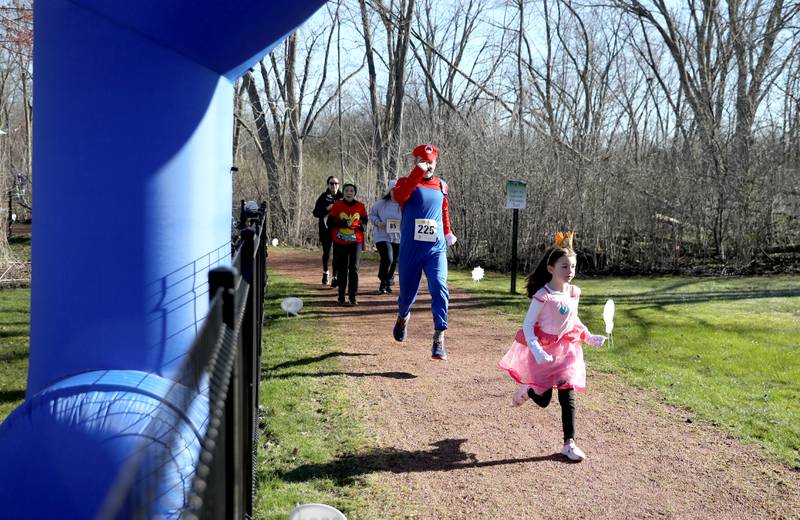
x=666, y=134
x=16, y=129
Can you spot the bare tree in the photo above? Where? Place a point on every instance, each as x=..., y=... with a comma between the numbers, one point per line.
x=16, y=111
x=387, y=116
x=632, y=123
x=450, y=34
x=705, y=47
x=295, y=98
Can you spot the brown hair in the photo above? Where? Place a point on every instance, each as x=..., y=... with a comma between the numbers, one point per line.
x=541, y=275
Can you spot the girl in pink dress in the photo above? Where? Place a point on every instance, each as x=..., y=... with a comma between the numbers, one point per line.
x=547, y=352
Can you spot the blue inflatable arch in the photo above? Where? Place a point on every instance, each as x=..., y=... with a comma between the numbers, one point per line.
x=132, y=156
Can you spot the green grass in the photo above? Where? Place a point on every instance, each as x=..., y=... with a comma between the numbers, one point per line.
x=14, y=334
x=724, y=348
x=14, y=343
x=309, y=423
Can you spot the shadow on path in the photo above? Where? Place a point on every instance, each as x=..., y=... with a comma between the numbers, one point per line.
x=390, y=375
x=11, y=396
x=646, y=300
x=308, y=361
x=268, y=373
x=459, y=300
x=324, y=306
x=14, y=333
x=9, y=357
x=446, y=455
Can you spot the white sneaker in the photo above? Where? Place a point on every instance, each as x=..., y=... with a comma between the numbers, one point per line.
x=572, y=452
x=520, y=396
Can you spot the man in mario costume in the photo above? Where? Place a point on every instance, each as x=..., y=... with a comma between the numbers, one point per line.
x=425, y=235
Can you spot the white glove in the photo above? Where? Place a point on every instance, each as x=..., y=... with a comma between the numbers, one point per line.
x=596, y=340
x=538, y=353
x=450, y=239
x=423, y=166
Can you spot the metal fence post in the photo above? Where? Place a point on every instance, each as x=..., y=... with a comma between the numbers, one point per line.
x=225, y=278
x=235, y=414
x=226, y=356
x=216, y=503
x=248, y=353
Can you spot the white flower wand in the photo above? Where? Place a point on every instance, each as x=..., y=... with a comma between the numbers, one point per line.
x=608, y=318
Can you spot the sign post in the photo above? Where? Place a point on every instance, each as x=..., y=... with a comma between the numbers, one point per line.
x=516, y=196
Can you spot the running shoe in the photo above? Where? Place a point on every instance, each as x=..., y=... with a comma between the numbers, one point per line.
x=438, y=351
x=572, y=452
x=400, y=328
x=521, y=395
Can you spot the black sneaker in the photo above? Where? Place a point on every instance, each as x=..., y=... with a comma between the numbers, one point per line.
x=382, y=288
x=324, y=278
x=438, y=351
x=388, y=289
x=400, y=329
x=353, y=301
x=340, y=300
x=334, y=282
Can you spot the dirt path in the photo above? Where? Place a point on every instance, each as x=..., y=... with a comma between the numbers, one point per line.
x=450, y=445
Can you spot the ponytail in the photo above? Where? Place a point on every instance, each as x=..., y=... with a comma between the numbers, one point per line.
x=540, y=276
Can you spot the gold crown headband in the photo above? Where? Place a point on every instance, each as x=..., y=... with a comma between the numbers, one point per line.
x=564, y=240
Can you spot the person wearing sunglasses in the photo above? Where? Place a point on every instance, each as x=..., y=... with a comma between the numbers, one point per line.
x=321, y=208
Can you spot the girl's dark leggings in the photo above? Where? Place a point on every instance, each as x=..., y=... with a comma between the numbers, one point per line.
x=566, y=398
x=347, y=258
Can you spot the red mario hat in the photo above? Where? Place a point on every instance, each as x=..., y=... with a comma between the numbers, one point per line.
x=426, y=152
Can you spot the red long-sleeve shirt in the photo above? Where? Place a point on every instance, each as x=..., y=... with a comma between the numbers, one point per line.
x=406, y=186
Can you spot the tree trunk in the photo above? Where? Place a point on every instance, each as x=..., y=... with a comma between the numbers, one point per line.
x=295, y=137
x=375, y=106
x=387, y=120
x=275, y=208
x=401, y=52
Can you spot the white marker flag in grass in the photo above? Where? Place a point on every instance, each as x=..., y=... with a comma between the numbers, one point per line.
x=274, y=242
x=292, y=305
x=608, y=318
x=316, y=512
x=477, y=274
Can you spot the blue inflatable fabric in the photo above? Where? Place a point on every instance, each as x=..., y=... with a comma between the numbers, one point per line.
x=132, y=156
x=64, y=447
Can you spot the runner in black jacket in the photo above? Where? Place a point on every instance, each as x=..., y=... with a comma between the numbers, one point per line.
x=321, y=208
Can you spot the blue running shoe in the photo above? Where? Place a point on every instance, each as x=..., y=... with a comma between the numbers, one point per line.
x=438, y=351
x=400, y=328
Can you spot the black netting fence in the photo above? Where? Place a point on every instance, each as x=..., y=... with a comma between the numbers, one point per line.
x=180, y=470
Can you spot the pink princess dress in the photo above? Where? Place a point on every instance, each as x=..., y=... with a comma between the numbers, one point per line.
x=561, y=334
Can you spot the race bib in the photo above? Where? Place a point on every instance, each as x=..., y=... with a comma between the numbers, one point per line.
x=393, y=225
x=425, y=230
